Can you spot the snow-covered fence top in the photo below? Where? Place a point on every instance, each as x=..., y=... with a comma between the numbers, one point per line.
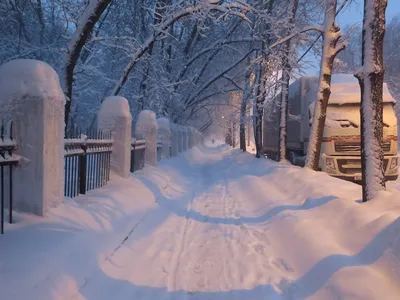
x=138, y=144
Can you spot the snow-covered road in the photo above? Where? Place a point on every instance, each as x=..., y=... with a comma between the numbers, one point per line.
x=226, y=226
x=213, y=223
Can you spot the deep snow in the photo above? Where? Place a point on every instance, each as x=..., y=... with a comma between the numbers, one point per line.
x=214, y=223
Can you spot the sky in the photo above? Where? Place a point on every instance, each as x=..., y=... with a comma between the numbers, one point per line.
x=351, y=15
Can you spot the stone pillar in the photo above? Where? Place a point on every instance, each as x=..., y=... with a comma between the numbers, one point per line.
x=191, y=137
x=174, y=139
x=196, y=137
x=164, y=134
x=146, y=128
x=115, y=116
x=184, y=139
x=32, y=98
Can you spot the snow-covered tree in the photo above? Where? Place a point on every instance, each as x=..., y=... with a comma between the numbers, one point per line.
x=286, y=74
x=332, y=45
x=84, y=28
x=370, y=77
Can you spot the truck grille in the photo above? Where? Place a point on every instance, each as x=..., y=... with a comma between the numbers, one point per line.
x=355, y=146
x=353, y=166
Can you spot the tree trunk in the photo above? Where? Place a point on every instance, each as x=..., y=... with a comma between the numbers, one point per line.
x=243, y=109
x=258, y=112
x=370, y=77
x=332, y=46
x=257, y=88
x=287, y=68
x=85, y=26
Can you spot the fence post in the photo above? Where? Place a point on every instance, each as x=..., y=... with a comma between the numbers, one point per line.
x=180, y=138
x=164, y=133
x=191, y=137
x=146, y=128
x=115, y=116
x=31, y=96
x=185, y=138
x=82, y=171
x=174, y=139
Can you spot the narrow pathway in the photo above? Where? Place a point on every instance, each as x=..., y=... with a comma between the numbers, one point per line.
x=235, y=228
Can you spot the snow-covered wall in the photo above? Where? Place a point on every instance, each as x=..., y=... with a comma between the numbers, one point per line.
x=146, y=128
x=164, y=134
x=115, y=116
x=31, y=96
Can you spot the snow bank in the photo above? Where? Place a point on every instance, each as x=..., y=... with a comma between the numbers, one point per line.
x=215, y=224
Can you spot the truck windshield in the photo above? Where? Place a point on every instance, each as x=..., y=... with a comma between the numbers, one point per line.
x=348, y=115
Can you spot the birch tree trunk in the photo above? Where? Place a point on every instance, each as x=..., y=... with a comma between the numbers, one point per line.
x=287, y=67
x=243, y=108
x=257, y=85
x=370, y=77
x=258, y=112
x=332, y=46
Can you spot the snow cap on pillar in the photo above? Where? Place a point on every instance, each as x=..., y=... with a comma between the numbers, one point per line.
x=115, y=116
x=31, y=96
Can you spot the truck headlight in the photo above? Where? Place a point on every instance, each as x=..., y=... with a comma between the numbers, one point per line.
x=393, y=164
x=330, y=163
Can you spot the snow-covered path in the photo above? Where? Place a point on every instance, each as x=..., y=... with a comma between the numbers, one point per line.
x=227, y=226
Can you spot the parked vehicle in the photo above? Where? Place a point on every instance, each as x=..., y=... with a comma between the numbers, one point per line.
x=341, y=143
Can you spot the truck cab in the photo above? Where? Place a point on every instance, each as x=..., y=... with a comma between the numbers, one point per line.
x=341, y=143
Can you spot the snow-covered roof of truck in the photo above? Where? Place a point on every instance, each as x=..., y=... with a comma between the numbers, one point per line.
x=344, y=89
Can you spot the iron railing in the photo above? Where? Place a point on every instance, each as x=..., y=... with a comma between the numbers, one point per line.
x=137, y=154
x=8, y=160
x=87, y=162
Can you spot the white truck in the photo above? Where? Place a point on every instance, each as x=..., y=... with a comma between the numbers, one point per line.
x=341, y=143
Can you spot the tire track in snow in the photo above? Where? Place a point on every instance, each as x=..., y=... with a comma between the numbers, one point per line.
x=177, y=254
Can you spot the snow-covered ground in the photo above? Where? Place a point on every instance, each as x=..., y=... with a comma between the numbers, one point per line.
x=212, y=224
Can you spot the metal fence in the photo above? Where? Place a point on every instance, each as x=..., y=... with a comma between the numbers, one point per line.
x=137, y=154
x=7, y=162
x=87, y=161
